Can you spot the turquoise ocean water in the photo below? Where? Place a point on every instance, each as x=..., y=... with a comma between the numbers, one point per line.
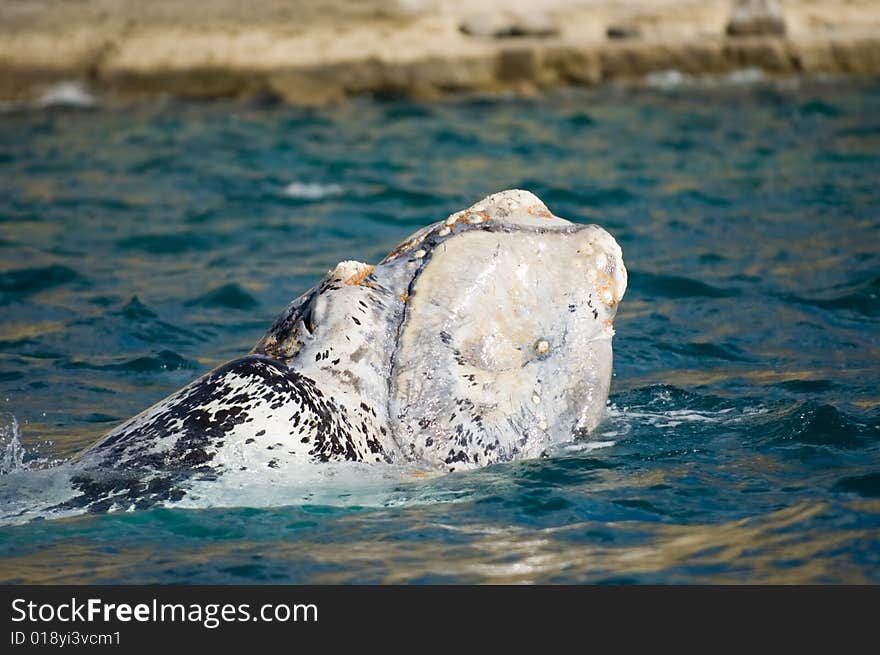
x=140, y=247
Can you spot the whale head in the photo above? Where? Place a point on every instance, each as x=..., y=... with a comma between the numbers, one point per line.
x=482, y=338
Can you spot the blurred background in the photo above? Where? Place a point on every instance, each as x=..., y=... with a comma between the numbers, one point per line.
x=312, y=52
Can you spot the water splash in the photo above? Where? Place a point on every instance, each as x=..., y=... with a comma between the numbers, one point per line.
x=11, y=449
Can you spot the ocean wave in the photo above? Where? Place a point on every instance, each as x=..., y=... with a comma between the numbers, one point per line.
x=17, y=283
x=867, y=486
x=164, y=244
x=144, y=323
x=135, y=310
x=702, y=351
x=165, y=360
x=773, y=424
x=672, y=418
x=810, y=423
x=654, y=285
x=227, y=296
x=860, y=297
x=666, y=407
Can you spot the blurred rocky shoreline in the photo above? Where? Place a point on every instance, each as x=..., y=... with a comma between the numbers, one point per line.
x=314, y=53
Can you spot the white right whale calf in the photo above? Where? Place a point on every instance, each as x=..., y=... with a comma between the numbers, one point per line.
x=482, y=338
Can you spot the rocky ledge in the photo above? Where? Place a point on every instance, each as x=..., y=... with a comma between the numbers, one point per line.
x=315, y=52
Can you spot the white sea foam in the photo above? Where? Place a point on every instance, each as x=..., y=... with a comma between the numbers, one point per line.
x=27, y=494
x=668, y=79
x=620, y=419
x=746, y=76
x=588, y=445
x=672, y=79
x=67, y=94
x=312, y=190
x=342, y=484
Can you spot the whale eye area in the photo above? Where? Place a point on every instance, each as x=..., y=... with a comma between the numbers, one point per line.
x=308, y=318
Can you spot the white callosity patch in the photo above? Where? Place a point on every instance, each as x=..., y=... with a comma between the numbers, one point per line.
x=506, y=345
x=481, y=338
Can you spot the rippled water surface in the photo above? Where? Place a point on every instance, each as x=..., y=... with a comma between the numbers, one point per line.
x=140, y=247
